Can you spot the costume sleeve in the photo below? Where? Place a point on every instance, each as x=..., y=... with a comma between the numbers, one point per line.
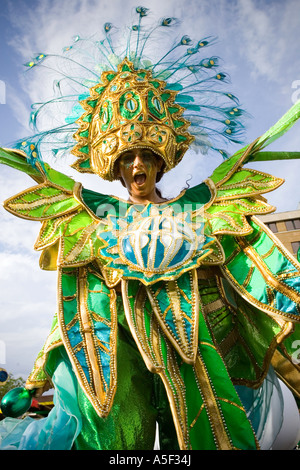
x=254, y=261
x=86, y=319
x=68, y=233
x=254, y=264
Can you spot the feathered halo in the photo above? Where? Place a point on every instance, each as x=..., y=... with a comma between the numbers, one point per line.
x=214, y=115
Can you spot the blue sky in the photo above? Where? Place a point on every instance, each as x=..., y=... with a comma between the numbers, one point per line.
x=258, y=43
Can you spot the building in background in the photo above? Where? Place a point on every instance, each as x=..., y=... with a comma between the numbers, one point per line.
x=286, y=227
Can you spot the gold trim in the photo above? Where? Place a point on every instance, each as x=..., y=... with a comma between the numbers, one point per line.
x=87, y=334
x=289, y=373
x=187, y=351
x=232, y=403
x=145, y=353
x=236, y=228
x=154, y=361
x=79, y=246
x=34, y=204
x=42, y=241
x=233, y=336
x=177, y=400
x=33, y=189
x=217, y=424
x=175, y=276
x=213, y=193
x=275, y=182
x=101, y=401
x=174, y=297
x=277, y=242
x=271, y=311
x=267, y=274
x=49, y=257
x=197, y=416
x=239, y=162
x=248, y=277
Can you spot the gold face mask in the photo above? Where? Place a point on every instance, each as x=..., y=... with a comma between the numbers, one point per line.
x=129, y=109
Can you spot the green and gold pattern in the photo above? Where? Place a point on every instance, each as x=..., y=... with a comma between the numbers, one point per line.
x=68, y=236
x=238, y=195
x=38, y=377
x=201, y=405
x=176, y=306
x=269, y=278
x=88, y=321
x=245, y=336
x=222, y=313
x=157, y=352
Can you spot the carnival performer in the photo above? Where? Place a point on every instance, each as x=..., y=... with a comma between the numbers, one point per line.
x=180, y=312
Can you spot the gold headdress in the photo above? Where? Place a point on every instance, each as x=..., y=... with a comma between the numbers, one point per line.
x=129, y=108
x=135, y=103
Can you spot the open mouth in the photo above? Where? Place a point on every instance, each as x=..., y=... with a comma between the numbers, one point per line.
x=140, y=179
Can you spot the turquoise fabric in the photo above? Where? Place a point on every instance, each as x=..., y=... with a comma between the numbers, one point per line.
x=260, y=404
x=58, y=430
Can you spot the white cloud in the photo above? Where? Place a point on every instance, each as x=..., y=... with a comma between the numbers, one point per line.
x=268, y=34
x=28, y=303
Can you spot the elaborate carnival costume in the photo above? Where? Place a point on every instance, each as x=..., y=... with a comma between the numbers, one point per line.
x=173, y=312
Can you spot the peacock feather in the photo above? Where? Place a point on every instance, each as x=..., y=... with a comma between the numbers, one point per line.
x=185, y=66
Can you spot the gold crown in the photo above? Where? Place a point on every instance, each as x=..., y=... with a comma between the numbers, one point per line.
x=129, y=108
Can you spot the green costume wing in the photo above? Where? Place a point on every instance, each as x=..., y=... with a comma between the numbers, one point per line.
x=257, y=272
x=87, y=319
x=68, y=233
x=247, y=308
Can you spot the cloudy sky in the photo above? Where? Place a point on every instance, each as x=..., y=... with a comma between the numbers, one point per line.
x=258, y=43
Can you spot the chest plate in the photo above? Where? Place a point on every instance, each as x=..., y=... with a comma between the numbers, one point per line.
x=154, y=242
x=158, y=243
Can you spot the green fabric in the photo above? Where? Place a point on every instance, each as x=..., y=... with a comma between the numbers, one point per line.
x=102, y=204
x=20, y=162
x=15, y=160
x=38, y=376
x=193, y=397
x=237, y=426
x=280, y=127
x=140, y=400
x=87, y=308
x=268, y=156
x=131, y=422
x=52, y=203
x=250, y=279
x=236, y=337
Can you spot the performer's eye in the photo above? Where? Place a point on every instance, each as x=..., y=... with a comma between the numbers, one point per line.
x=127, y=159
x=147, y=155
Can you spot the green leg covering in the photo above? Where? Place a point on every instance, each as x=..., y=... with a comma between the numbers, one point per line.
x=131, y=422
x=216, y=417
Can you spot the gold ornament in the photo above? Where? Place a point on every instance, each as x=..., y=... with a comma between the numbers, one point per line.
x=128, y=109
